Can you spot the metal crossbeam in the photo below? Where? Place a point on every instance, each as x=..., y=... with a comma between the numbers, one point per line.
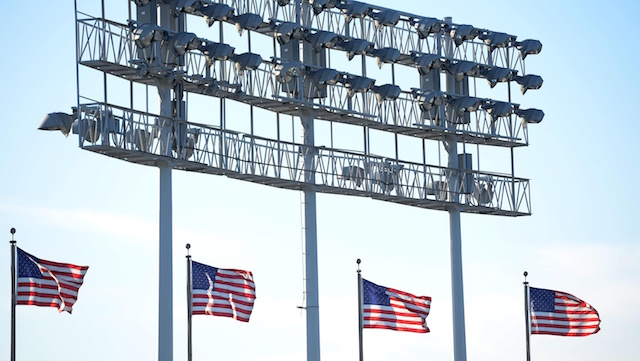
x=135, y=137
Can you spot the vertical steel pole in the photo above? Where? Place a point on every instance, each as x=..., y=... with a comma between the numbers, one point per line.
x=13, y=295
x=311, y=242
x=457, y=292
x=165, y=289
x=310, y=236
x=165, y=280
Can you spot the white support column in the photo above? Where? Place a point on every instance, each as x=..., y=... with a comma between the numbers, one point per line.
x=165, y=275
x=311, y=234
x=165, y=265
x=311, y=243
x=165, y=284
x=457, y=289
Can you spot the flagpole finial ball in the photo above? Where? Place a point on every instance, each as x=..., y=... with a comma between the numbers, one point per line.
x=13, y=231
x=188, y=246
x=526, y=273
x=358, y=261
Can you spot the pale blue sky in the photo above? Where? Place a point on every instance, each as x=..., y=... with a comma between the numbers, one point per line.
x=77, y=206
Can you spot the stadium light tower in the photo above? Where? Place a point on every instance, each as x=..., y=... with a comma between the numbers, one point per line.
x=296, y=77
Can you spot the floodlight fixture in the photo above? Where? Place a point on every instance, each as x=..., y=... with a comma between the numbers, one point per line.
x=246, y=61
x=464, y=104
x=217, y=51
x=286, y=71
x=353, y=173
x=324, y=76
x=58, y=121
x=142, y=2
x=357, y=84
x=438, y=188
x=354, y=47
x=319, y=5
x=385, y=55
x=145, y=34
x=428, y=99
x=530, y=115
x=91, y=129
x=498, y=109
x=462, y=68
x=426, y=26
x=497, y=40
x=496, y=75
x=189, y=6
x=209, y=86
x=216, y=12
x=386, y=18
x=188, y=143
x=483, y=190
x=183, y=42
x=139, y=138
x=463, y=32
x=323, y=39
x=286, y=31
x=529, y=81
x=426, y=62
x=529, y=46
x=283, y=2
x=248, y=21
x=355, y=10
x=386, y=92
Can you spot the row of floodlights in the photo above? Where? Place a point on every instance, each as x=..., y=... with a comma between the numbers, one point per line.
x=284, y=31
x=387, y=174
x=286, y=71
x=146, y=34
x=461, y=104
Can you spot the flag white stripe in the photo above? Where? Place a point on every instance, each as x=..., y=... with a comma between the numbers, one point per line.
x=562, y=315
x=218, y=287
x=563, y=330
x=415, y=301
x=221, y=303
x=393, y=324
x=205, y=294
x=48, y=291
x=221, y=309
x=62, y=269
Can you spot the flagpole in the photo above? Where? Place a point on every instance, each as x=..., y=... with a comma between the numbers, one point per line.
x=13, y=295
x=526, y=313
x=189, y=304
x=360, y=310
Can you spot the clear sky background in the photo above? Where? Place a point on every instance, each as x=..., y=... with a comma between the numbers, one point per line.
x=582, y=238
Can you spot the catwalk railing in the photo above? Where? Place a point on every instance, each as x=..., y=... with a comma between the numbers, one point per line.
x=109, y=47
x=146, y=138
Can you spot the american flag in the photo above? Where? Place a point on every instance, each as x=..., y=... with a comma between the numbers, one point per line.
x=222, y=292
x=393, y=309
x=46, y=283
x=561, y=314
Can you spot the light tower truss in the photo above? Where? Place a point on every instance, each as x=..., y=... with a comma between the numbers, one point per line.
x=134, y=136
x=439, y=90
x=213, y=68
